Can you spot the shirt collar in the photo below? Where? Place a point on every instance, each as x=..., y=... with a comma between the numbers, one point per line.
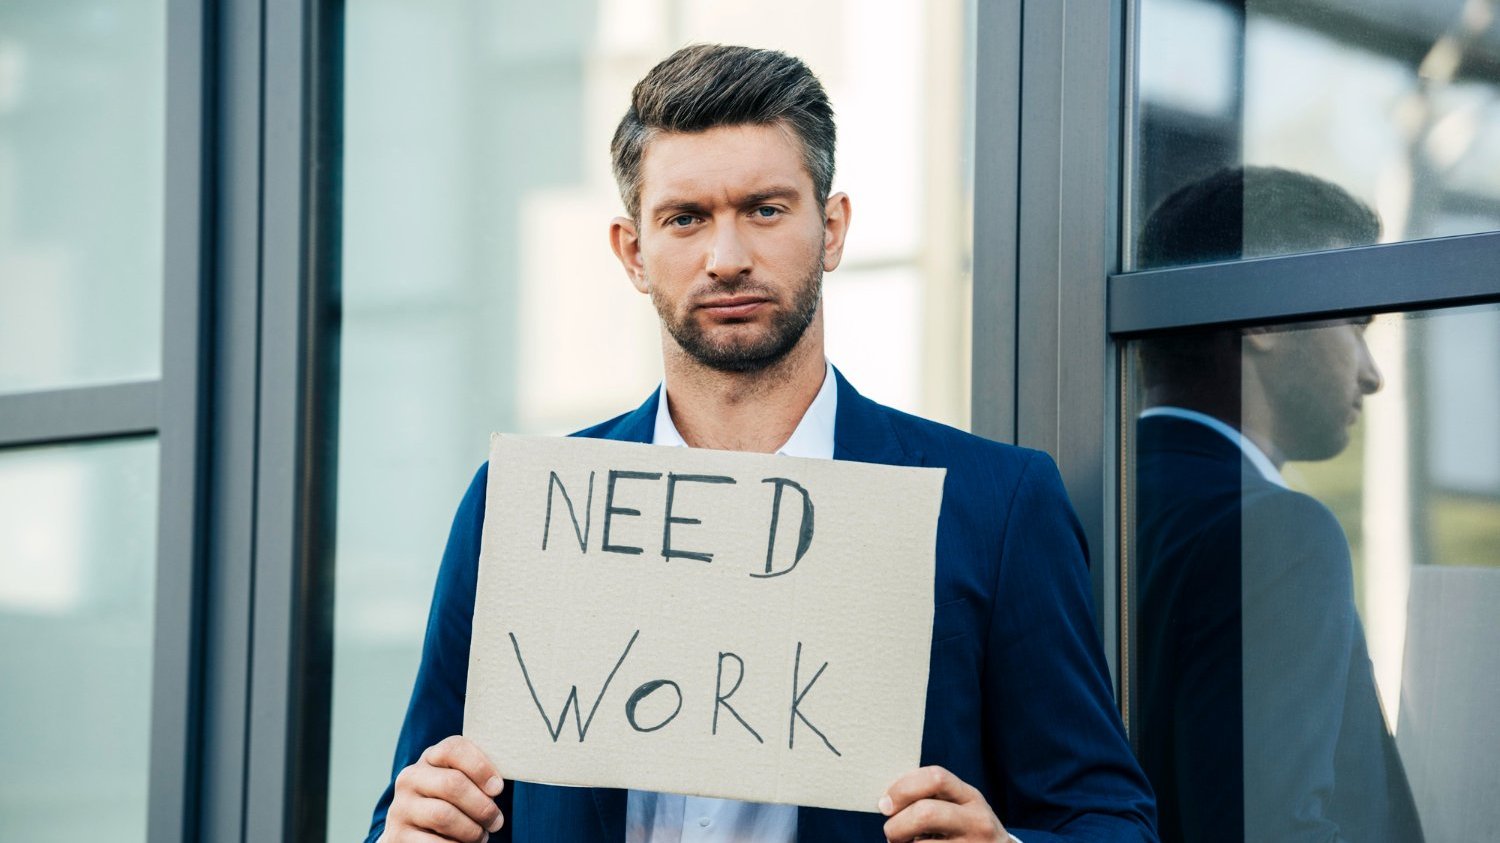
x=1251, y=451
x=812, y=438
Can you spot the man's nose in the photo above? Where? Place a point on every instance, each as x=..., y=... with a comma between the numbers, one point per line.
x=729, y=255
x=1370, y=380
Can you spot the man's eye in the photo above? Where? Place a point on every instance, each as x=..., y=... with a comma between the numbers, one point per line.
x=682, y=220
x=767, y=212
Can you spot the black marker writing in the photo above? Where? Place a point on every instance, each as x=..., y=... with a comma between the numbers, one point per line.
x=610, y=510
x=572, y=700
x=645, y=690
x=722, y=699
x=797, y=697
x=667, y=551
x=804, y=533
x=555, y=482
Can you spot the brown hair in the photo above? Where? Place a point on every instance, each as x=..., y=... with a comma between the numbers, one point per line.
x=1234, y=214
x=704, y=86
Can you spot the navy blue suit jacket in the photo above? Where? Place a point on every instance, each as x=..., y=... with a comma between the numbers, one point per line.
x=1259, y=718
x=1018, y=700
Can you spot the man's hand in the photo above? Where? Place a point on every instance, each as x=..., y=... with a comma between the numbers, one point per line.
x=933, y=804
x=449, y=794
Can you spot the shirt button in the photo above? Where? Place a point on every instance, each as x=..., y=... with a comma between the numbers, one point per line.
x=703, y=821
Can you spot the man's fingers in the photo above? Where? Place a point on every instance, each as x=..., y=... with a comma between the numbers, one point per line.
x=926, y=819
x=411, y=835
x=925, y=783
x=455, y=788
x=451, y=791
x=441, y=818
x=460, y=753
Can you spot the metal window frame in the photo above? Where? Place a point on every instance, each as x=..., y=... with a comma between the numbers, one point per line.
x=181, y=520
x=266, y=653
x=1049, y=244
x=247, y=403
x=997, y=142
x=78, y=414
x=1046, y=235
x=1412, y=275
x=170, y=408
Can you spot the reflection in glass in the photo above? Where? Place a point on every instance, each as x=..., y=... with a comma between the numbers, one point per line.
x=1397, y=102
x=82, y=116
x=77, y=576
x=1312, y=657
x=480, y=292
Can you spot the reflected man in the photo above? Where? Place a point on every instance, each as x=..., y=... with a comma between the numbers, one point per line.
x=1259, y=718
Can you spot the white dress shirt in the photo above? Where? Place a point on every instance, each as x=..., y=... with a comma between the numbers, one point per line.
x=673, y=818
x=1252, y=452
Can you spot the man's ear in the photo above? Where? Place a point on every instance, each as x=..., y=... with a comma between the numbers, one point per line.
x=835, y=228
x=625, y=239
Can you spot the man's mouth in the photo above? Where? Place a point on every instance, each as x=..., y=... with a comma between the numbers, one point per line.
x=733, y=307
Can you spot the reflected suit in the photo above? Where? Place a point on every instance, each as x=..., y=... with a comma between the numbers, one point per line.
x=1258, y=718
x=1018, y=698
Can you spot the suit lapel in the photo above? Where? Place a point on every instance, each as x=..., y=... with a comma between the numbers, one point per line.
x=638, y=425
x=862, y=430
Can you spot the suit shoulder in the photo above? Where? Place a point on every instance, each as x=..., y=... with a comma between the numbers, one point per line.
x=603, y=429
x=962, y=453
x=1286, y=529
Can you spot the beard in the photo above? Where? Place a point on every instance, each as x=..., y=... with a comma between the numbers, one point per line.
x=754, y=355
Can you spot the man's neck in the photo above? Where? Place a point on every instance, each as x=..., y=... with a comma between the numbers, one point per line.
x=743, y=411
x=1245, y=413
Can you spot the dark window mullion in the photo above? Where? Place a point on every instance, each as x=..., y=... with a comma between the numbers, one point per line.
x=182, y=402
x=292, y=638
x=1397, y=276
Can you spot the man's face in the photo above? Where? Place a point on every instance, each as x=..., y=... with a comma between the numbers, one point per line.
x=731, y=244
x=1319, y=377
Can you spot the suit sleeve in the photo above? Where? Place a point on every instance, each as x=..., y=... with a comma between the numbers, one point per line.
x=436, y=710
x=1051, y=728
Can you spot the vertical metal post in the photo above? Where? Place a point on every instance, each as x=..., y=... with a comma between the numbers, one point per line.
x=997, y=137
x=296, y=457
x=234, y=210
x=183, y=524
x=1068, y=246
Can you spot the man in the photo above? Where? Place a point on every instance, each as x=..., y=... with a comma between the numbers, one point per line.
x=1259, y=718
x=724, y=161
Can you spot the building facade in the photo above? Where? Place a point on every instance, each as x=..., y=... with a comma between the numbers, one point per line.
x=272, y=270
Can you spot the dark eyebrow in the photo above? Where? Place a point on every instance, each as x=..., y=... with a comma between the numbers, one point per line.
x=760, y=197
x=675, y=207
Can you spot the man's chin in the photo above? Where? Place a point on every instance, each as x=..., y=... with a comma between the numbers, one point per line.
x=1318, y=450
x=736, y=360
x=741, y=355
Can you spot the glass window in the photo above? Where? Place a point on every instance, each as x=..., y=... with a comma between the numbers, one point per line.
x=1315, y=565
x=480, y=292
x=1396, y=102
x=82, y=114
x=77, y=585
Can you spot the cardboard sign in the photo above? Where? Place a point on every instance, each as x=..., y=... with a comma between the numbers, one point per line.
x=744, y=626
